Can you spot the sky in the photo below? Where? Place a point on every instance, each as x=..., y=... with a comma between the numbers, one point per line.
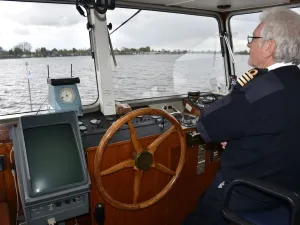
x=62, y=27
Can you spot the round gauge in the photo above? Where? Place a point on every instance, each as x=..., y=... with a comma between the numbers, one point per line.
x=109, y=118
x=67, y=95
x=95, y=121
x=82, y=128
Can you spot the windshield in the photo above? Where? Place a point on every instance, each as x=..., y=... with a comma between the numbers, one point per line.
x=163, y=54
x=33, y=38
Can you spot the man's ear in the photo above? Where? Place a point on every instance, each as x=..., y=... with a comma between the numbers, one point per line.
x=269, y=47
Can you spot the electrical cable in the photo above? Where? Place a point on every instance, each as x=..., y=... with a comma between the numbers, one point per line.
x=15, y=182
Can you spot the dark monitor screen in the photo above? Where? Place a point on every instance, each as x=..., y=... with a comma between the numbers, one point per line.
x=53, y=157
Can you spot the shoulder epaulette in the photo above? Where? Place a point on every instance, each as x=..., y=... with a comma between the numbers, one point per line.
x=246, y=77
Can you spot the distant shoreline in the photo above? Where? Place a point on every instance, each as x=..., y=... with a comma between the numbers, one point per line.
x=24, y=50
x=36, y=57
x=144, y=53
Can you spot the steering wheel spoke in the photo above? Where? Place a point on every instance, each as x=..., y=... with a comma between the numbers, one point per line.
x=122, y=165
x=137, y=185
x=135, y=141
x=154, y=145
x=163, y=168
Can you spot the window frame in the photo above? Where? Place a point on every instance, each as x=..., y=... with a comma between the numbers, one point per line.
x=183, y=11
x=86, y=108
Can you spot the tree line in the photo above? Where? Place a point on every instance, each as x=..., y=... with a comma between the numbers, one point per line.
x=24, y=49
x=147, y=50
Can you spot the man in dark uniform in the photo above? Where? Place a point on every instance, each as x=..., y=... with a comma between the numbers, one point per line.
x=258, y=122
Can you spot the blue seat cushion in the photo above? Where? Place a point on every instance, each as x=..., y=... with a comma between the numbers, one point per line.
x=278, y=216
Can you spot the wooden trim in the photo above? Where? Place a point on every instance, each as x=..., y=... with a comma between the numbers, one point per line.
x=2, y=187
x=4, y=214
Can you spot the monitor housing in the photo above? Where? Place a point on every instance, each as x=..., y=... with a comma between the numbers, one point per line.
x=65, y=184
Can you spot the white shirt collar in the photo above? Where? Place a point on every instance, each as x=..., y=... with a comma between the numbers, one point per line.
x=277, y=65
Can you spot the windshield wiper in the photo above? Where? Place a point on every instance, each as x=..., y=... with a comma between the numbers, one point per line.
x=112, y=50
x=126, y=21
x=225, y=36
x=110, y=43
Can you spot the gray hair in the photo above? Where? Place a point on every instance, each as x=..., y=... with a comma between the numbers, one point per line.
x=283, y=26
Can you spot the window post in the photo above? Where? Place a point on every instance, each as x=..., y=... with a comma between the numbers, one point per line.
x=100, y=47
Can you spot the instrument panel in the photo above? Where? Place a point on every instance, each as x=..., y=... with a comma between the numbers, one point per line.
x=93, y=126
x=195, y=104
x=204, y=101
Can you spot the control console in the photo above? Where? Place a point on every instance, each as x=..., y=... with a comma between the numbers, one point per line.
x=93, y=126
x=76, y=202
x=194, y=105
x=205, y=101
x=97, y=123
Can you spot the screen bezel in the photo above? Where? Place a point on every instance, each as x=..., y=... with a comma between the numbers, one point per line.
x=46, y=120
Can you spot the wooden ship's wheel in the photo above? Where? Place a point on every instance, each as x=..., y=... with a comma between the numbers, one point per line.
x=143, y=160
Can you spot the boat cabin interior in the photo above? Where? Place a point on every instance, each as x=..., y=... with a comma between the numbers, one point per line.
x=114, y=141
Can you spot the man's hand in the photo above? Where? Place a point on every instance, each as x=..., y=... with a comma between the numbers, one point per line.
x=224, y=144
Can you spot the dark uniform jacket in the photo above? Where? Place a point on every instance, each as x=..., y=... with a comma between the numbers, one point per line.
x=260, y=120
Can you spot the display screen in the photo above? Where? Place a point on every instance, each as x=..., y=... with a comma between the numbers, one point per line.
x=53, y=157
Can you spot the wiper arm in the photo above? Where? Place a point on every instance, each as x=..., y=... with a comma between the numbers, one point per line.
x=225, y=36
x=126, y=21
x=112, y=50
x=110, y=43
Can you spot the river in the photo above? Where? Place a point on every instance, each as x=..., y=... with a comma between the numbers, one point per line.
x=135, y=77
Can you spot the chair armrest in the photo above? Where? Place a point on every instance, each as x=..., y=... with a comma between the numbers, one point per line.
x=288, y=196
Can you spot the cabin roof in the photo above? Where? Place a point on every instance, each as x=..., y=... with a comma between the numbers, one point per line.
x=207, y=5
x=214, y=5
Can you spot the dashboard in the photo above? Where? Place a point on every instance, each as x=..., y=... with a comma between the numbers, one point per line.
x=93, y=126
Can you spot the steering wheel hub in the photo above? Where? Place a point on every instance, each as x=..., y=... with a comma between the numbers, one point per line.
x=143, y=160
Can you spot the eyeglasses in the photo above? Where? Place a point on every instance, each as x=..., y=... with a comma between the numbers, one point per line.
x=250, y=38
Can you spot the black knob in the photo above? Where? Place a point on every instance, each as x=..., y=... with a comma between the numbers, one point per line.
x=99, y=214
x=109, y=26
x=89, y=26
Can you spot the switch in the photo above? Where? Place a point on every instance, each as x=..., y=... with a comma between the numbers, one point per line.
x=2, y=162
x=99, y=214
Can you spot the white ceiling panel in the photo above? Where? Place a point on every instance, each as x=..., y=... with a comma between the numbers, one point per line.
x=212, y=4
